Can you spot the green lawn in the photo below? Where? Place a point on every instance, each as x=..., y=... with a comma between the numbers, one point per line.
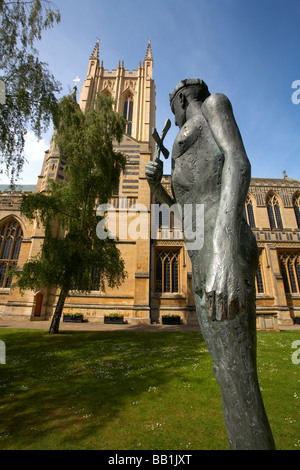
x=125, y=390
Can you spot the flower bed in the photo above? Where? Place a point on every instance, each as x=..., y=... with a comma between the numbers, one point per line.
x=113, y=318
x=73, y=317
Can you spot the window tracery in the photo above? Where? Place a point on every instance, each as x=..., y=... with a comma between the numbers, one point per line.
x=11, y=236
x=167, y=271
x=274, y=213
x=128, y=113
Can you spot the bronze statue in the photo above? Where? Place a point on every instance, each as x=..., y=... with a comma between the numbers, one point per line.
x=210, y=167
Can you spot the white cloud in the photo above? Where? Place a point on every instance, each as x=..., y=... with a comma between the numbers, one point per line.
x=34, y=154
x=35, y=149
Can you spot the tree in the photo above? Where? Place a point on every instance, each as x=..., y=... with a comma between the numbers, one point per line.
x=31, y=89
x=73, y=259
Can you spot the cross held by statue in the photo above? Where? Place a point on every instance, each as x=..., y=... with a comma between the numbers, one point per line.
x=159, y=139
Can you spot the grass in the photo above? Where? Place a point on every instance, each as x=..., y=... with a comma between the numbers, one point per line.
x=125, y=390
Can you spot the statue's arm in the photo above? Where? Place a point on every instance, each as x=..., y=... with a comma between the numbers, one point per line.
x=236, y=172
x=154, y=173
x=225, y=288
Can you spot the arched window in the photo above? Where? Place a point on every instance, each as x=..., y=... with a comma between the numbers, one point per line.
x=128, y=113
x=167, y=271
x=296, y=204
x=259, y=279
x=96, y=279
x=163, y=218
x=274, y=212
x=290, y=270
x=11, y=235
x=249, y=213
x=117, y=189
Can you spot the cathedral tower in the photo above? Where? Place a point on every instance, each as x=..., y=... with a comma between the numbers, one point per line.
x=133, y=92
x=134, y=96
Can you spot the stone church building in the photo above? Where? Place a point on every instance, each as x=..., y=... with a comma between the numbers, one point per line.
x=159, y=270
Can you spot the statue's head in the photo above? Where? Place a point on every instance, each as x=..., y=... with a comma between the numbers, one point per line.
x=190, y=89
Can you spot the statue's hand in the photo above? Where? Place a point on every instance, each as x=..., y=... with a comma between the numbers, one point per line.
x=225, y=289
x=154, y=172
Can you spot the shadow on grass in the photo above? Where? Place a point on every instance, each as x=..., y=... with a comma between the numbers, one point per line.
x=75, y=389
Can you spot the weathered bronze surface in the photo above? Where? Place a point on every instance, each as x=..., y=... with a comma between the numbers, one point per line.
x=210, y=167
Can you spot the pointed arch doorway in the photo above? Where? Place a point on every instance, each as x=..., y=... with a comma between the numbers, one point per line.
x=38, y=304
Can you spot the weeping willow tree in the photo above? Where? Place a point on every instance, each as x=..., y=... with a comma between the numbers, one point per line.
x=73, y=254
x=29, y=88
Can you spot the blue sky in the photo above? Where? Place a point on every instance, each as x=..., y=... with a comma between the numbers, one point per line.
x=246, y=49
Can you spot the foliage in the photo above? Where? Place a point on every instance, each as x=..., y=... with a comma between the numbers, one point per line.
x=30, y=87
x=114, y=315
x=68, y=263
x=89, y=140
x=157, y=390
x=73, y=255
x=73, y=315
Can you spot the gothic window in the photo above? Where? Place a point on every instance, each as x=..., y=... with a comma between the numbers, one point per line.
x=249, y=213
x=167, y=279
x=11, y=236
x=128, y=113
x=96, y=279
x=117, y=189
x=175, y=276
x=159, y=275
x=163, y=217
x=296, y=204
x=274, y=212
x=290, y=270
x=259, y=280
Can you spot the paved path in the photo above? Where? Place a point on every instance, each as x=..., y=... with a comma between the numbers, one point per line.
x=95, y=326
